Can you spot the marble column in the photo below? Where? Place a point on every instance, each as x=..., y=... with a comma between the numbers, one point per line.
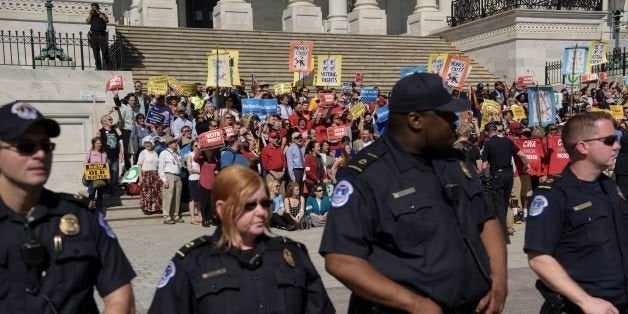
x=426, y=18
x=367, y=18
x=337, y=19
x=302, y=16
x=233, y=14
x=159, y=13
x=133, y=15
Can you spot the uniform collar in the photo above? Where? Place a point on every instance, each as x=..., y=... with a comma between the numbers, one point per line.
x=47, y=205
x=404, y=160
x=570, y=179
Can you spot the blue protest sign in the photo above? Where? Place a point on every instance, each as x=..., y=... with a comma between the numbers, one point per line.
x=154, y=116
x=368, y=94
x=382, y=119
x=251, y=105
x=541, y=106
x=409, y=70
x=575, y=61
x=185, y=150
x=268, y=107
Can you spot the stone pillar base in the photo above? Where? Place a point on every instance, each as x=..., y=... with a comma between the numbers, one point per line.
x=236, y=16
x=160, y=13
x=338, y=26
x=302, y=19
x=424, y=23
x=368, y=22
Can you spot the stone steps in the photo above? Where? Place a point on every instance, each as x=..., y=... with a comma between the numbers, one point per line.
x=182, y=53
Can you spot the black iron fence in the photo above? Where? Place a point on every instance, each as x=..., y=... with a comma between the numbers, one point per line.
x=464, y=11
x=617, y=65
x=21, y=49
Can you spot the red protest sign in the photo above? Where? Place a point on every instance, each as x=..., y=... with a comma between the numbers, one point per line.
x=603, y=76
x=211, y=139
x=228, y=131
x=589, y=78
x=359, y=78
x=336, y=132
x=114, y=83
x=525, y=80
x=327, y=100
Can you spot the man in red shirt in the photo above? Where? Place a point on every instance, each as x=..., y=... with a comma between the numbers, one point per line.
x=273, y=160
x=298, y=114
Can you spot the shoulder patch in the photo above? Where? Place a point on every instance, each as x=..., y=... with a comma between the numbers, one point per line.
x=102, y=221
x=342, y=193
x=537, y=205
x=169, y=272
x=198, y=242
x=547, y=184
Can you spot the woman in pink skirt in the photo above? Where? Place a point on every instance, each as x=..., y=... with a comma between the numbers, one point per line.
x=150, y=184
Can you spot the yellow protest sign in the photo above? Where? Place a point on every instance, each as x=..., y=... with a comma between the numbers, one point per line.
x=157, y=85
x=329, y=70
x=596, y=109
x=490, y=112
x=436, y=63
x=96, y=171
x=218, y=71
x=234, y=63
x=358, y=110
x=188, y=89
x=518, y=112
x=283, y=88
x=617, y=111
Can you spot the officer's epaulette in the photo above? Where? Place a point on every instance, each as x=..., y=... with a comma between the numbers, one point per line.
x=198, y=242
x=547, y=184
x=81, y=200
x=365, y=158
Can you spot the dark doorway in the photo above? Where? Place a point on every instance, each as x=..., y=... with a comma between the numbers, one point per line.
x=199, y=13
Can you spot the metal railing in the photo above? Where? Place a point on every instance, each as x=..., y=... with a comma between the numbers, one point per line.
x=617, y=65
x=20, y=49
x=464, y=11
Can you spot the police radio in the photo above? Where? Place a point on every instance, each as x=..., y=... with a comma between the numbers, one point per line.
x=250, y=260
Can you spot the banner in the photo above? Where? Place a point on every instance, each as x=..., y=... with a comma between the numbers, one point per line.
x=283, y=88
x=358, y=110
x=188, y=89
x=518, y=112
x=211, y=139
x=541, y=106
x=301, y=56
x=589, y=78
x=456, y=71
x=436, y=63
x=533, y=149
x=410, y=70
x=229, y=131
x=525, y=80
x=617, y=111
x=336, y=132
x=575, y=61
x=368, y=94
x=327, y=100
x=596, y=109
x=96, y=171
x=329, y=70
x=347, y=87
x=132, y=175
x=218, y=72
x=597, y=53
x=490, y=112
x=114, y=83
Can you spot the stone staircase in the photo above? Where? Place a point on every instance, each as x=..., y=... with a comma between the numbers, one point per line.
x=182, y=53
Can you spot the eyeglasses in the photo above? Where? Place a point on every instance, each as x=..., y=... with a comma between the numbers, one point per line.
x=266, y=203
x=607, y=140
x=319, y=190
x=29, y=148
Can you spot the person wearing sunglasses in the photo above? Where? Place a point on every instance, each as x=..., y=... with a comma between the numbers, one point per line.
x=55, y=248
x=240, y=268
x=576, y=228
x=317, y=206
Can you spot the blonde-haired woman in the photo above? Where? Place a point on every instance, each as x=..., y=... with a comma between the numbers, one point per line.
x=240, y=261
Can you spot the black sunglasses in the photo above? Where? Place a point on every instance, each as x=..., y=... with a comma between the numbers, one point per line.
x=29, y=148
x=607, y=140
x=252, y=205
x=319, y=190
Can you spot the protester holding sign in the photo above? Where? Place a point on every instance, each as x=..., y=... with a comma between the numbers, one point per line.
x=110, y=136
x=96, y=188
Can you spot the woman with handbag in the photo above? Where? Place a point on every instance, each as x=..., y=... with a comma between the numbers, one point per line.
x=96, y=188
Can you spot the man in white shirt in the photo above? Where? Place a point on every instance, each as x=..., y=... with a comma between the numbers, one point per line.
x=365, y=140
x=179, y=122
x=169, y=169
x=283, y=108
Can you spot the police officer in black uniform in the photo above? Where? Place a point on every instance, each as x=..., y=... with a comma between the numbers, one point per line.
x=240, y=269
x=410, y=230
x=53, y=249
x=577, y=226
x=498, y=152
x=98, y=37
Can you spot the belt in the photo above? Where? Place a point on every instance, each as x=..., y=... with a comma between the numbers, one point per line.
x=172, y=174
x=504, y=169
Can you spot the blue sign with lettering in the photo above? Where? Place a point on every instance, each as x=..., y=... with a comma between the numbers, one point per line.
x=368, y=94
x=410, y=70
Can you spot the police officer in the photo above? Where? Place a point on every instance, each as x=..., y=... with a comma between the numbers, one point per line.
x=498, y=152
x=409, y=230
x=98, y=37
x=577, y=231
x=240, y=269
x=53, y=249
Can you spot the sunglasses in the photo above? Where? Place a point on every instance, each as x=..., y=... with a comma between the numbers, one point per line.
x=266, y=203
x=607, y=140
x=318, y=190
x=29, y=148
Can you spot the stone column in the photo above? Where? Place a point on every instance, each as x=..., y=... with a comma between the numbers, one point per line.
x=233, y=14
x=337, y=20
x=302, y=16
x=134, y=17
x=160, y=13
x=367, y=18
x=426, y=18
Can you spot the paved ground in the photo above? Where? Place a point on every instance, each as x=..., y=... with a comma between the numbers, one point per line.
x=149, y=244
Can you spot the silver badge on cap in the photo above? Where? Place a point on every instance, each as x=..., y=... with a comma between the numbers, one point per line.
x=24, y=110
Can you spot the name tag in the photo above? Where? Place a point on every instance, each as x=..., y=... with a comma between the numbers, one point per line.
x=403, y=193
x=583, y=206
x=214, y=273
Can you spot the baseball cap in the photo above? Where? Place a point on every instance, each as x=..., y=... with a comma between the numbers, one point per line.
x=273, y=135
x=296, y=135
x=514, y=125
x=423, y=92
x=490, y=126
x=18, y=116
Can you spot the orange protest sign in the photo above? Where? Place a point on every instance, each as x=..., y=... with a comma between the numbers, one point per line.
x=327, y=100
x=336, y=132
x=456, y=70
x=114, y=83
x=211, y=139
x=301, y=56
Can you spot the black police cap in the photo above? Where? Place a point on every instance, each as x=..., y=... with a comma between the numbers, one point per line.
x=423, y=92
x=17, y=117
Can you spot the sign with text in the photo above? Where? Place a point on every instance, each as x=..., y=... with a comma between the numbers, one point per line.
x=283, y=88
x=368, y=94
x=541, y=106
x=358, y=110
x=525, y=80
x=329, y=70
x=234, y=61
x=490, y=112
x=96, y=171
x=114, y=83
x=251, y=105
x=327, y=100
x=268, y=108
x=336, y=132
x=436, y=63
x=382, y=119
x=456, y=71
x=218, y=71
x=518, y=113
x=347, y=87
x=154, y=116
x=132, y=175
x=597, y=53
x=211, y=139
x=301, y=56
x=228, y=131
x=410, y=70
x=617, y=111
x=589, y=78
x=575, y=61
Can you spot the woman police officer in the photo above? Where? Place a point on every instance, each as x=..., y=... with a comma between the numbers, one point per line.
x=240, y=269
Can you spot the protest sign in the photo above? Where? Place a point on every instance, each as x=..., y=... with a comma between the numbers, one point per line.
x=132, y=175
x=532, y=148
x=347, y=87
x=268, y=107
x=575, y=61
x=153, y=116
x=368, y=94
x=617, y=111
x=436, y=63
x=234, y=61
x=589, y=78
x=541, y=106
x=157, y=85
x=188, y=89
x=525, y=80
x=329, y=70
x=597, y=53
x=490, y=112
x=185, y=151
x=336, y=132
x=114, y=83
x=358, y=110
x=96, y=171
x=211, y=139
x=283, y=88
x=327, y=100
x=456, y=70
x=301, y=56
x=518, y=112
x=218, y=71
x=596, y=109
x=382, y=119
x=410, y=70
x=251, y=105
x=603, y=76
x=359, y=78
x=303, y=78
x=228, y=131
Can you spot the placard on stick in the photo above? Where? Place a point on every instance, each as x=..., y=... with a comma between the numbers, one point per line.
x=96, y=171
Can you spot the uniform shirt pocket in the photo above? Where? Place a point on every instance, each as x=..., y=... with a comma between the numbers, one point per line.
x=214, y=286
x=414, y=221
x=77, y=263
x=590, y=226
x=291, y=284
